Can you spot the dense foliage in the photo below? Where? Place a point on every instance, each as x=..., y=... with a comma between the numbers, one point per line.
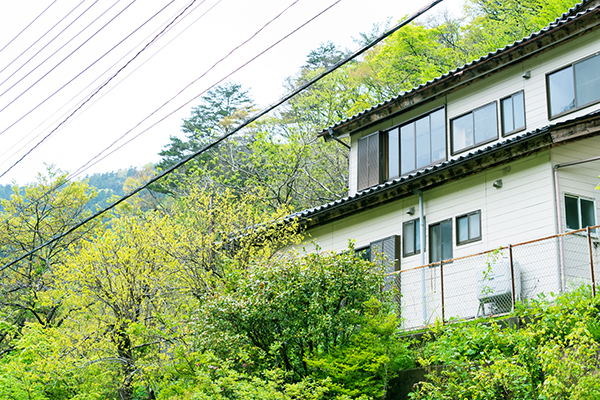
x=199, y=295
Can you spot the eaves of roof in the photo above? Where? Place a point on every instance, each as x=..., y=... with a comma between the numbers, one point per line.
x=369, y=115
x=527, y=143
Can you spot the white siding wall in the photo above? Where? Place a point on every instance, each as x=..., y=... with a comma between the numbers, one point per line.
x=496, y=87
x=579, y=180
x=523, y=209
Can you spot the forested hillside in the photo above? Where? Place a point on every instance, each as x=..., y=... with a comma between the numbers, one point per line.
x=187, y=291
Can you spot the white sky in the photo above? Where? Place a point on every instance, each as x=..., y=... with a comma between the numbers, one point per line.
x=159, y=73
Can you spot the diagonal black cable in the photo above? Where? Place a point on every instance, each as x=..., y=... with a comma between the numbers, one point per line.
x=59, y=63
x=100, y=88
x=247, y=122
x=28, y=25
x=46, y=45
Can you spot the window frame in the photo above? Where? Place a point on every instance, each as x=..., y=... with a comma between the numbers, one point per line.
x=399, y=150
x=416, y=222
x=579, y=214
x=439, y=223
x=453, y=151
x=577, y=106
x=522, y=128
x=470, y=239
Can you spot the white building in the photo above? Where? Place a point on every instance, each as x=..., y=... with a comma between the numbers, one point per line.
x=477, y=158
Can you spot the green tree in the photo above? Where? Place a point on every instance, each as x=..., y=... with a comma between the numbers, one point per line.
x=35, y=214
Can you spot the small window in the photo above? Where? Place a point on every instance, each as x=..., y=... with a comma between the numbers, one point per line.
x=440, y=241
x=580, y=212
x=475, y=128
x=573, y=87
x=411, y=232
x=513, y=113
x=468, y=228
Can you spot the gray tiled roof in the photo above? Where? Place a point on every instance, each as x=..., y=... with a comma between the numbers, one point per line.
x=566, y=17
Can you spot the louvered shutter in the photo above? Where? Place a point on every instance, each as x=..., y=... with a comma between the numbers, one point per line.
x=363, y=163
x=374, y=160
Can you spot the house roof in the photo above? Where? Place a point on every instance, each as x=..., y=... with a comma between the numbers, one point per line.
x=500, y=57
x=470, y=163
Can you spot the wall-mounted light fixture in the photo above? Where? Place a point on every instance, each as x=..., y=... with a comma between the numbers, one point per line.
x=411, y=211
x=497, y=183
x=526, y=75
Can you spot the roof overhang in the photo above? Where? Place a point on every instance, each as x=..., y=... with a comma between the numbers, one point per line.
x=492, y=156
x=557, y=33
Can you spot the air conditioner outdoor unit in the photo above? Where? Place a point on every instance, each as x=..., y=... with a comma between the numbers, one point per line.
x=494, y=286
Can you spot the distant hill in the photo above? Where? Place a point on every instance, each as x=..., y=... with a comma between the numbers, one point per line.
x=108, y=184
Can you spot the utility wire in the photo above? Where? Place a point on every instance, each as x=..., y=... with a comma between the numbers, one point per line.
x=41, y=37
x=28, y=25
x=106, y=92
x=87, y=164
x=247, y=122
x=53, y=68
x=99, y=89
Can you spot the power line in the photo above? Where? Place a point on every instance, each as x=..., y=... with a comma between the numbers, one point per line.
x=247, y=122
x=85, y=166
x=40, y=38
x=106, y=92
x=53, y=68
x=28, y=25
x=98, y=90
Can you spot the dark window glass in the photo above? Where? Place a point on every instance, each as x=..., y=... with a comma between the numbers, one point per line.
x=411, y=237
x=580, y=213
x=561, y=91
x=440, y=241
x=468, y=227
x=572, y=212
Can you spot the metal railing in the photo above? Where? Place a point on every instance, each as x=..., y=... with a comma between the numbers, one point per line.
x=491, y=282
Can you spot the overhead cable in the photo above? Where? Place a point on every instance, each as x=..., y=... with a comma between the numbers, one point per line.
x=98, y=90
x=53, y=68
x=40, y=38
x=91, y=83
x=247, y=122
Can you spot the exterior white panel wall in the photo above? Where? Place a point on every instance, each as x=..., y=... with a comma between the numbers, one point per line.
x=495, y=87
x=522, y=209
x=578, y=180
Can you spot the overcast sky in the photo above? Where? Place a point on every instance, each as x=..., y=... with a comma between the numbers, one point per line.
x=71, y=35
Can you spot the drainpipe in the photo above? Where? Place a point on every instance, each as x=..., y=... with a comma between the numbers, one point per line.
x=422, y=241
x=562, y=276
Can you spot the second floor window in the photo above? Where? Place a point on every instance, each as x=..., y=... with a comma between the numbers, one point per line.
x=513, y=113
x=574, y=86
x=417, y=144
x=474, y=128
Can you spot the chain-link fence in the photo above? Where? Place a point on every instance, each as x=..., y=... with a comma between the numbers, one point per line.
x=489, y=283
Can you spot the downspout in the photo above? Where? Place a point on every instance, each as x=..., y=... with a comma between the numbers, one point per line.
x=422, y=242
x=562, y=275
